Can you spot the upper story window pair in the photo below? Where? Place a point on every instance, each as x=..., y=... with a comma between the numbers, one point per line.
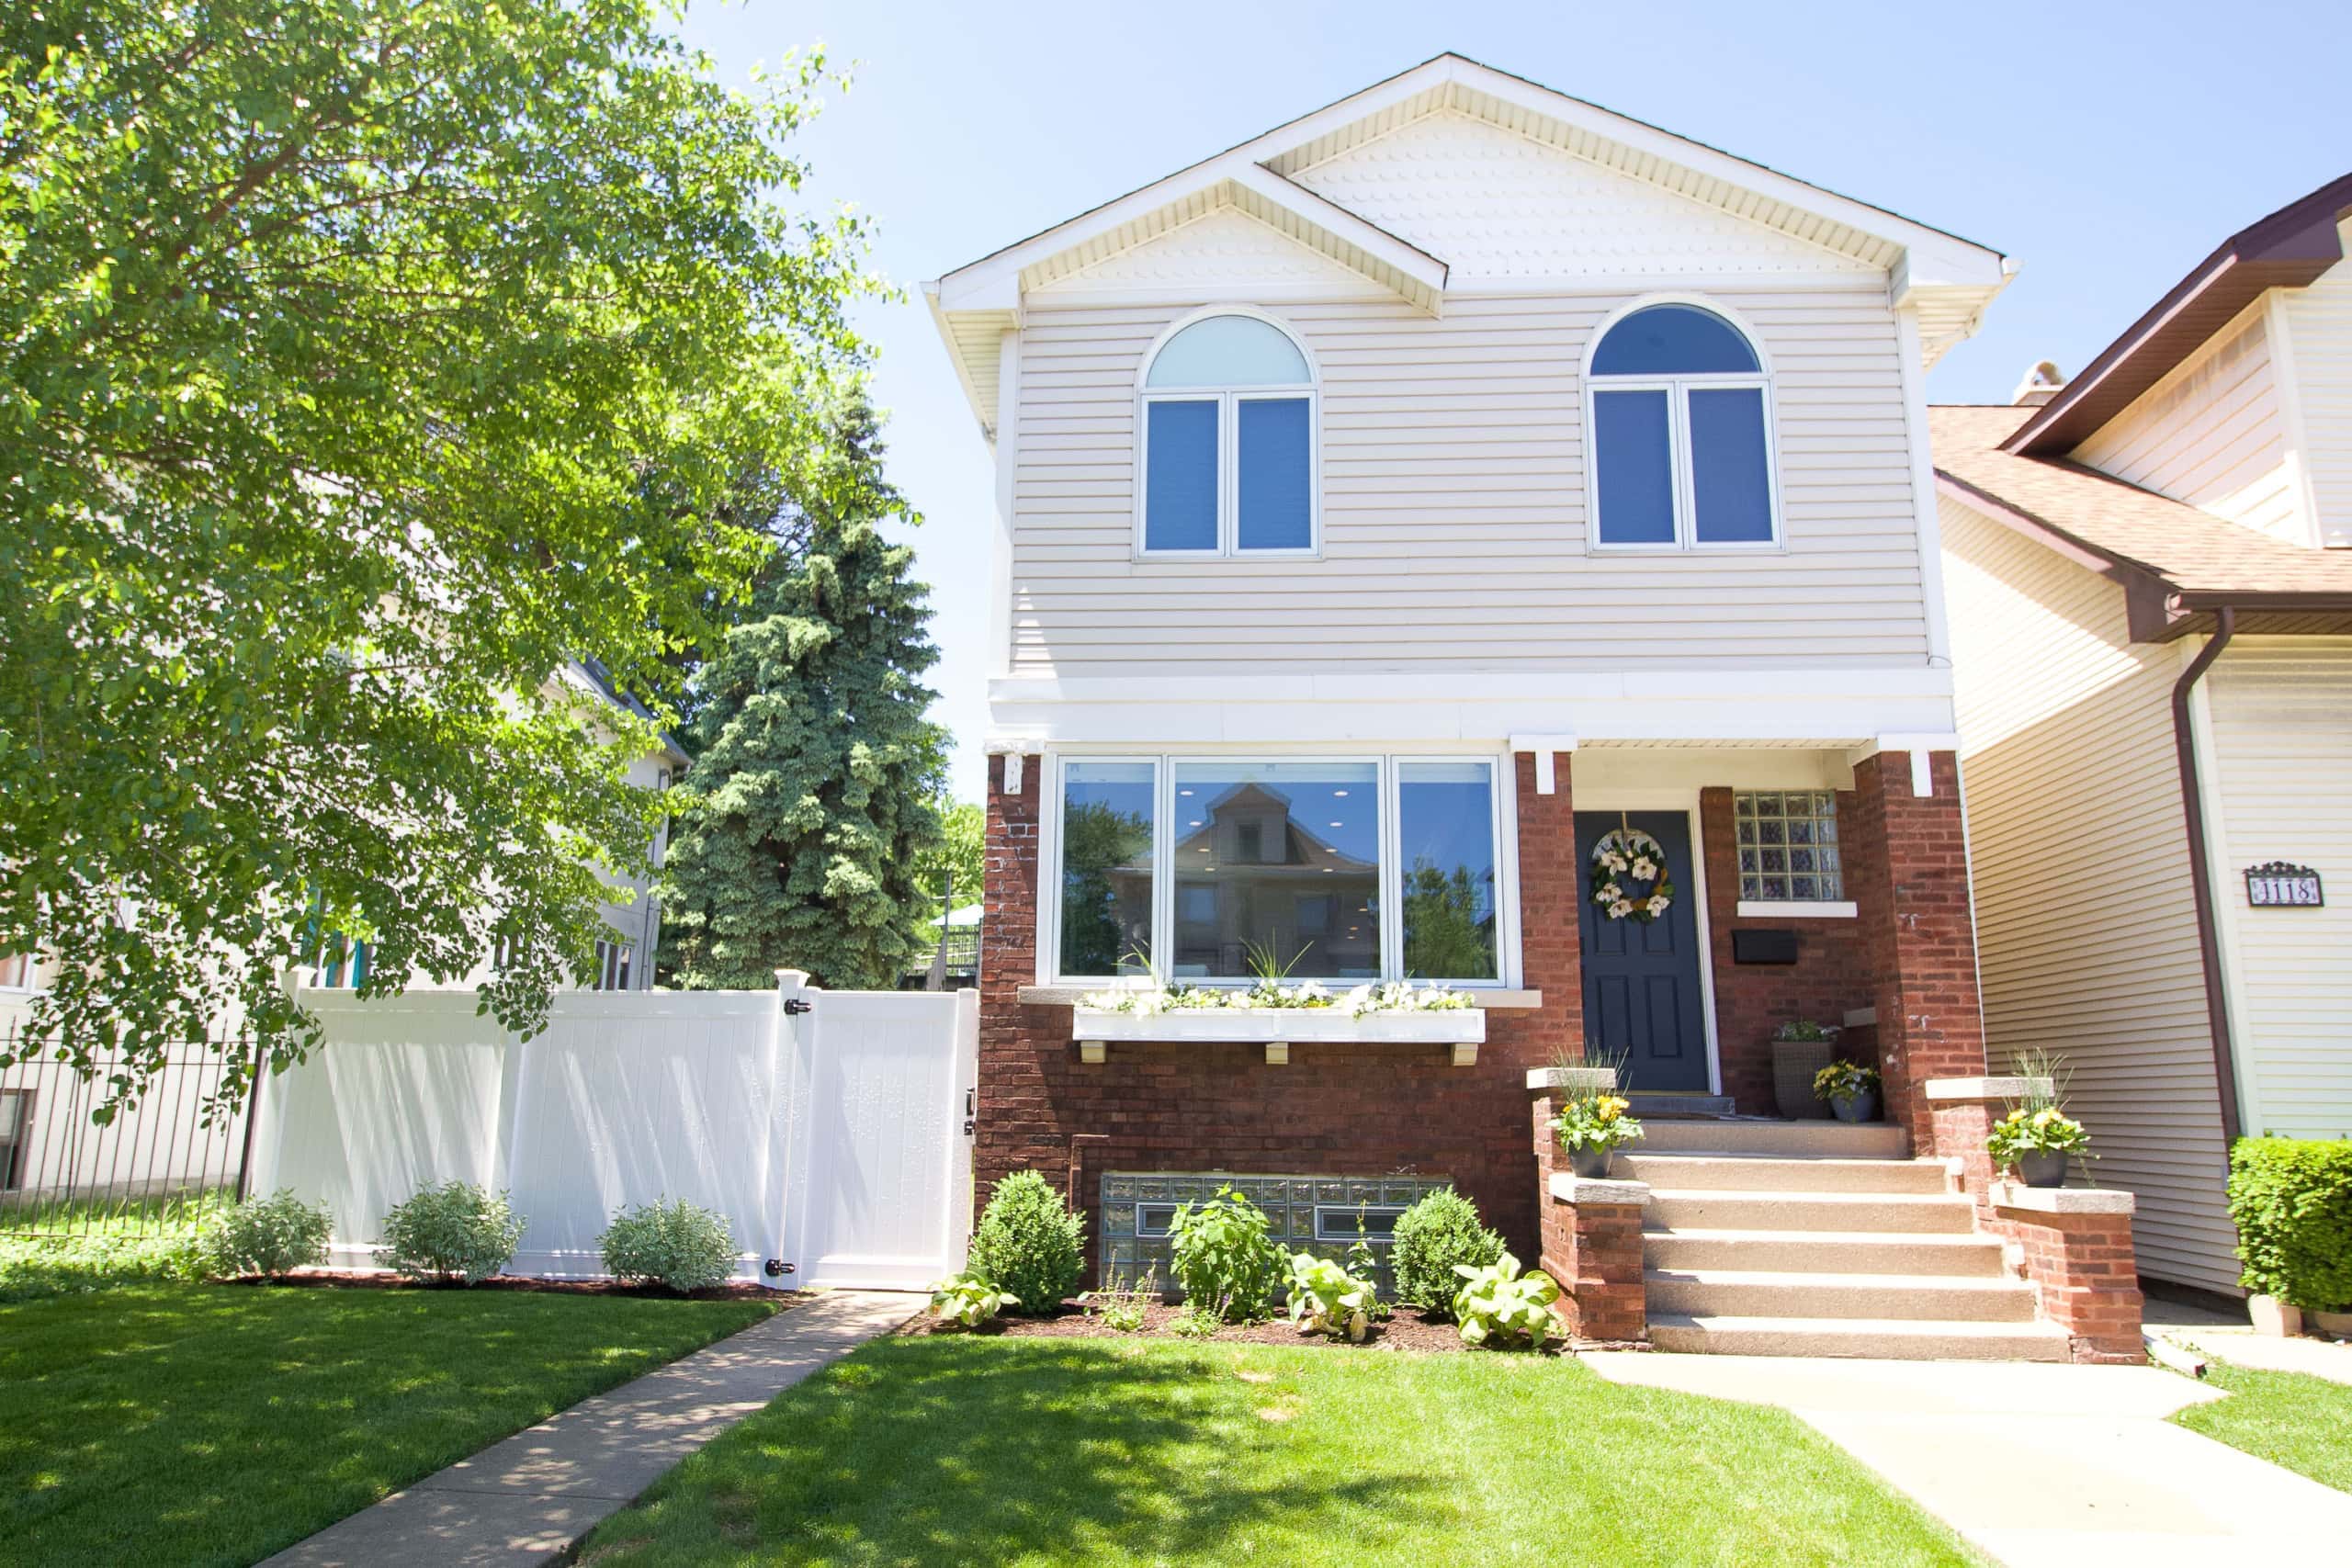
x=1679, y=416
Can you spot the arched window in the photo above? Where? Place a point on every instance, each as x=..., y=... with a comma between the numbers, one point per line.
x=1681, y=433
x=1229, y=437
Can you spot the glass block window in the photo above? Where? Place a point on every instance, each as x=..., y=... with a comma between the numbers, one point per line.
x=1788, y=846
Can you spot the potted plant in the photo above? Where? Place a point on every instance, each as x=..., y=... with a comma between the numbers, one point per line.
x=1851, y=1089
x=1589, y=1127
x=1800, y=1049
x=2036, y=1143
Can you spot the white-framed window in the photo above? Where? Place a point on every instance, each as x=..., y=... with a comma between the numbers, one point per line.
x=613, y=959
x=1214, y=869
x=18, y=971
x=1228, y=431
x=1788, y=846
x=1337, y=1222
x=1679, y=432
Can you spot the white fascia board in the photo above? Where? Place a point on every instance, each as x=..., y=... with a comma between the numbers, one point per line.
x=1661, y=686
x=972, y=399
x=1416, y=263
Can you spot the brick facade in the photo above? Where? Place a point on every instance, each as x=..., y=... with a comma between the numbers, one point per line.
x=2083, y=1270
x=1593, y=1252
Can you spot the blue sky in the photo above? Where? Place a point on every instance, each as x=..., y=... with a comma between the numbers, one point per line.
x=2106, y=148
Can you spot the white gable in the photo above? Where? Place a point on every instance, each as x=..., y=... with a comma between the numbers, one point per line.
x=1498, y=205
x=1224, y=254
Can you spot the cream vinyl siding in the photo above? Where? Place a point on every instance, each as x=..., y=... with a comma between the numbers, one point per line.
x=1454, y=504
x=2319, y=336
x=2281, y=712
x=2210, y=434
x=2086, y=925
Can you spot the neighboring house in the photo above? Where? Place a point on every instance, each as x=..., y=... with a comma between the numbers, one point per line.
x=1393, y=507
x=2150, y=572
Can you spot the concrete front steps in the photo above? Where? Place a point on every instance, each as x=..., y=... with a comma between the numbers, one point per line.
x=1816, y=1238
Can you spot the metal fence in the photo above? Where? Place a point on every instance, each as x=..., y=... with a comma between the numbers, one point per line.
x=154, y=1168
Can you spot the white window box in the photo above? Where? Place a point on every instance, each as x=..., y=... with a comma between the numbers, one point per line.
x=1463, y=1028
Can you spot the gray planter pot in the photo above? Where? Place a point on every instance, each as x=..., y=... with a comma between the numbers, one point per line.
x=1793, y=1064
x=2042, y=1168
x=1863, y=1107
x=1592, y=1165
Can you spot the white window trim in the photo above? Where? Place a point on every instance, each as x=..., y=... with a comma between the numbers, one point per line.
x=1228, y=444
x=1678, y=389
x=1797, y=908
x=1163, y=889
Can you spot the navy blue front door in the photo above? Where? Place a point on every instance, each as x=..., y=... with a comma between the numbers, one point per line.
x=1641, y=977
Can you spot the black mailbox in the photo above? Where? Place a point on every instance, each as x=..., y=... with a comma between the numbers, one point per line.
x=1764, y=947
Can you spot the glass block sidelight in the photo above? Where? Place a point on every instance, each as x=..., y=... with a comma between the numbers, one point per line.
x=1130, y=1220
x=1788, y=845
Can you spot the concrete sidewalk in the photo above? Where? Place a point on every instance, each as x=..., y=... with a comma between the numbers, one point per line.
x=2037, y=1464
x=528, y=1499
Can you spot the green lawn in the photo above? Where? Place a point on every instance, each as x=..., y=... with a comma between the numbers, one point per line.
x=1029, y=1452
x=2290, y=1418
x=187, y=1423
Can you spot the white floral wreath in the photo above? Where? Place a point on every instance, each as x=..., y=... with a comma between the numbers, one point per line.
x=1628, y=855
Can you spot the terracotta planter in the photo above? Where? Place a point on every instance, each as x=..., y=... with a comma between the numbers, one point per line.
x=2042, y=1168
x=2336, y=1323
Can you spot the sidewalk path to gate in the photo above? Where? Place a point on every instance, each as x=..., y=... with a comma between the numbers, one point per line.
x=528, y=1499
x=2039, y=1466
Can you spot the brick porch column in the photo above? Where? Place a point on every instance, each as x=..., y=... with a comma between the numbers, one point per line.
x=2076, y=1246
x=1016, y=1130
x=1592, y=1245
x=1908, y=873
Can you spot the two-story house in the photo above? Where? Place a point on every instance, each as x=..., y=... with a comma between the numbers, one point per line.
x=1398, y=513
x=2150, y=569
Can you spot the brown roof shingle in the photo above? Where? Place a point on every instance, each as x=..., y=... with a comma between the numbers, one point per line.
x=2193, y=551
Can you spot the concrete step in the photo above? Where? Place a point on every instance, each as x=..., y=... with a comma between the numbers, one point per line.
x=1824, y=1252
x=1895, y=1339
x=1909, y=1298
x=1767, y=1173
x=1790, y=1140
x=1678, y=1209
x=1667, y=1105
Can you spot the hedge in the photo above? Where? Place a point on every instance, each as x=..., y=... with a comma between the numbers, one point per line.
x=2292, y=1201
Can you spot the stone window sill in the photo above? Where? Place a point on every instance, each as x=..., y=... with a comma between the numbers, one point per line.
x=1795, y=909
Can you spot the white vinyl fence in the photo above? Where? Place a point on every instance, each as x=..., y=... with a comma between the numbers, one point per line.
x=834, y=1140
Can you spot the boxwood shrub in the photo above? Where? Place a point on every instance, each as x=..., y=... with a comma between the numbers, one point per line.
x=2292, y=1201
x=1028, y=1243
x=1431, y=1236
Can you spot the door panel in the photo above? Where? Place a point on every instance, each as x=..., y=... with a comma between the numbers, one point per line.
x=1641, y=977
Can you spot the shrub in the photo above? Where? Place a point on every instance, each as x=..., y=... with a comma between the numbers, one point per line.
x=272, y=1236
x=969, y=1301
x=455, y=1230
x=1029, y=1243
x=1223, y=1259
x=2292, y=1201
x=1434, y=1238
x=679, y=1245
x=1497, y=1303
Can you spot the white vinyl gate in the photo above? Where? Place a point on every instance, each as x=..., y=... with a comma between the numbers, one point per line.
x=834, y=1139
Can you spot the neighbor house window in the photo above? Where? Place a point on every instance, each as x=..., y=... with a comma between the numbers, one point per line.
x=1340, y=870
x=613, y=959
x=1788, y=846
x=1227, y=417
x=1681, y=433
x=17, y=971
x=16, y=1128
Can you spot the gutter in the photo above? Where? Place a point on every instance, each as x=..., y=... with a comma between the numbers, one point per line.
x=2200, y=872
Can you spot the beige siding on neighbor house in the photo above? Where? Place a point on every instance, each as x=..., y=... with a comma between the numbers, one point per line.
x=2086, y=925
x=1454, y=504
x=2319, y=335
x=2280, y=711
x=2210, y=434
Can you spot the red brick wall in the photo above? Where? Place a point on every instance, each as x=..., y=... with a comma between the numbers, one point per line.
x=1831, y=977
x=1336, y=1110
x=2083, y=1270
x=1593, y=1252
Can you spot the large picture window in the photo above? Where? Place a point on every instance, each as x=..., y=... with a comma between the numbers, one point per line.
x=1681, y=433
x=1220, y=870
x=1227, y=423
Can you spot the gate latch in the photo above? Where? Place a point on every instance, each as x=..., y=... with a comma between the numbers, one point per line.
x=971, y=1110
x=794, y=1007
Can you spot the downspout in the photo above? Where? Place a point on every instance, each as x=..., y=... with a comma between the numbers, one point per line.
x=2201, y=875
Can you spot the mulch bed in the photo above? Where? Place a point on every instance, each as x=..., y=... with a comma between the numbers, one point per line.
x=1405, y=1329
x=377, y=1279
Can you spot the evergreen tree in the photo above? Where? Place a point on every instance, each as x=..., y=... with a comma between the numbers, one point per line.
x=809, y=807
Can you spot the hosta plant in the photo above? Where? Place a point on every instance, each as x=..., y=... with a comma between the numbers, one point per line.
x=969, y=1301
x=1325, y=1299
x=680, y=1246
x=1223, y=1259
x=1500, y=1306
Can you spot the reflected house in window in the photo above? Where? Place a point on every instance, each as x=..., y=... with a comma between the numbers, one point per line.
x=1254, y=884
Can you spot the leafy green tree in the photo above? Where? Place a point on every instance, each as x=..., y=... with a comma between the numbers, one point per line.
x=955, y=868
x=807, y=818
x=1449, y=924
x=361, y=363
